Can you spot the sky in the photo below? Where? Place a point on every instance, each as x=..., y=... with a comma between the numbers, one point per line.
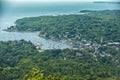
x=20, y=1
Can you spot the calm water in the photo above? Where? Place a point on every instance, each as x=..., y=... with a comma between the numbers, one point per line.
x=11, y=12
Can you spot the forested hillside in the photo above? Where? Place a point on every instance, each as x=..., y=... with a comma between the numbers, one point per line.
x=20, y=60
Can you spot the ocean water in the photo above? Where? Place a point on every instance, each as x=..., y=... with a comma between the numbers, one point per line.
x=11, y=12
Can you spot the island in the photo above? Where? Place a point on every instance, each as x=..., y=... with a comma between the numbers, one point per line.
x=107, y=2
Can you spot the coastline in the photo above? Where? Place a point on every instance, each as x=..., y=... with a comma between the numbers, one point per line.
x=65, y=37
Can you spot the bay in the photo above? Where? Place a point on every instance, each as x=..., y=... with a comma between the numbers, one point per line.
x=10, y=13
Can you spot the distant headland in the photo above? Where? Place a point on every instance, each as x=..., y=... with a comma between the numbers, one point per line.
x=107, y=2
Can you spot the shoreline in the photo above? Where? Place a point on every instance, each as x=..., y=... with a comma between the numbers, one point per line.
x=56, y=39
x=40, y=36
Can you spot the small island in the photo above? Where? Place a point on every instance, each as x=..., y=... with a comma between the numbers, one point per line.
x=107, y=2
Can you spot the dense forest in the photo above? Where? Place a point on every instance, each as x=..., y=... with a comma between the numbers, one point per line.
x=20, y=60
x=95, y=26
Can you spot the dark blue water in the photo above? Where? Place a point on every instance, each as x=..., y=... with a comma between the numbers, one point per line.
x=12, y=12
